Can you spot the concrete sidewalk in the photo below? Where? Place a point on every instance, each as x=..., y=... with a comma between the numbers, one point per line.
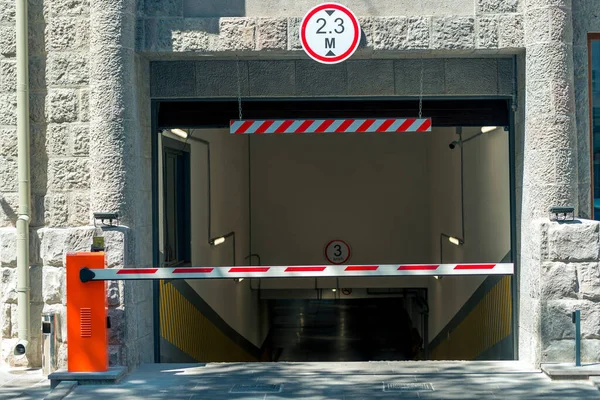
x=22, y=384
x=340, y=381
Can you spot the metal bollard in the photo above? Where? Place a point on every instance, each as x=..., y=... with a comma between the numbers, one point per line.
x=577, y=321
x=49, y=343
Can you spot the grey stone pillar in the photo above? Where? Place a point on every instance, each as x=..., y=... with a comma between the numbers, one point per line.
x=112, y=101
x=550, y=150
x=113, y=151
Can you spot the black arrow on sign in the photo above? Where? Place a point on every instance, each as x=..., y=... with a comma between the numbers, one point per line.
x=329, y=12
x=330, y=54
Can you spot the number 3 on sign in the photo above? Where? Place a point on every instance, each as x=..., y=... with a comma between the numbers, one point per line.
x=337, y=252
x=330, y=33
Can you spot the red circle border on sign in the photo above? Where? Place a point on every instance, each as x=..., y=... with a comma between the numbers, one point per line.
x=349, y=252
x=355, y=42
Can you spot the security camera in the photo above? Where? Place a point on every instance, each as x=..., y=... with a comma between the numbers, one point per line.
x=454, y=144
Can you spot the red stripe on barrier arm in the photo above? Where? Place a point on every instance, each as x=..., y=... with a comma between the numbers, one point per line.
x=323, y=127
x=283, y=127
x=193, y=270
x=305, y=269
x=264, y=126
x=418, y=267
x=365, y=125
x=362, y=268
x=344, y=125
x=406, y=124
x=244, y=269
x=383, y=127
x=304, y=126
x=424, y=126
x=137, y=271
x=475, y=266
x=244, y=127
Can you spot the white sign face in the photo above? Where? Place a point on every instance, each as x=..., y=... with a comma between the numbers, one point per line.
x=330, y=33
x=337, y=252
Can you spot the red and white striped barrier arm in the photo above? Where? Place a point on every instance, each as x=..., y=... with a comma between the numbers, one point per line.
x=296, y=271
x=297, y=126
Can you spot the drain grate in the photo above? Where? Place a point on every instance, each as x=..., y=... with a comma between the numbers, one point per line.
x=257, y=388
x=406, y=387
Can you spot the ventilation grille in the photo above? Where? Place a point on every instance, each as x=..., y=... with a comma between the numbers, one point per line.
x=85, y=321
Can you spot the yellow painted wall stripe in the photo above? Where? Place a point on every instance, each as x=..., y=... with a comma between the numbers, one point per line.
x=487, y=324
x=185, y=327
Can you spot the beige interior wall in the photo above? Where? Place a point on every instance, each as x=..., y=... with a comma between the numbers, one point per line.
x=487, y=213
x=235, y=302
x=366, y=189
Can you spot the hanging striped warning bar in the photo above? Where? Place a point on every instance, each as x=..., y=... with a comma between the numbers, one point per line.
x=298, y=126
x=295, y=271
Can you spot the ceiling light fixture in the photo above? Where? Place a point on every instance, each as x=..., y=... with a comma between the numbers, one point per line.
x=486, y=129
x=179, y=132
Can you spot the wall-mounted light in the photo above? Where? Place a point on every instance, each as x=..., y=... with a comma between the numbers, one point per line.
x=179, y=132
x=562, y=213
x=217, y=241
x=334, y=290
x=221, y=239
x=455, y=241
x=486, y=129
x=438, y=277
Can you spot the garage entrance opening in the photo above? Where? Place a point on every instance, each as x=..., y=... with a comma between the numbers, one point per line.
x=385, y=199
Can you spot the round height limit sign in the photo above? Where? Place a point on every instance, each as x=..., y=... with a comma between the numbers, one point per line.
x=330, y=33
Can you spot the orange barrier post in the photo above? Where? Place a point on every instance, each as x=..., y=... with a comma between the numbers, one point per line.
x=86, y=316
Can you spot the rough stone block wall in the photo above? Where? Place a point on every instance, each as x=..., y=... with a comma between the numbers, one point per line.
x=59, y=47
x=496, y=26
x=568, y=280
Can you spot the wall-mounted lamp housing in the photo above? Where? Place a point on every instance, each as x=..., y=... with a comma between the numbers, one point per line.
x=456, y=241
x=486, y=129
x=217, y=241
x=220, y=239
x=106, y=216
x=562, y=213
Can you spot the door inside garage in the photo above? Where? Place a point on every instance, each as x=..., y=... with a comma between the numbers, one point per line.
x=438, y=197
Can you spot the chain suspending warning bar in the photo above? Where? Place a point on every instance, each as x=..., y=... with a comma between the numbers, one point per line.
x=295, y=271
x=297, y=126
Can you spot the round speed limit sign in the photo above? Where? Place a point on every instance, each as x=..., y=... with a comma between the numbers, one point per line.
x=330, y=33
x=337, y=252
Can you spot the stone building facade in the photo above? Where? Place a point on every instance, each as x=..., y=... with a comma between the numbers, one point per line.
x=96, y=65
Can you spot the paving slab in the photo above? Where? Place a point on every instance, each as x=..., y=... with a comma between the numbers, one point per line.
x=23, y=384
x=570, y=371
x=343, y=381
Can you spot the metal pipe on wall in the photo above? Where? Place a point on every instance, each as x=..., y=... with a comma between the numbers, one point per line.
x=23, y=310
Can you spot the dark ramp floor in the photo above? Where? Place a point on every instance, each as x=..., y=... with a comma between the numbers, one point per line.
x=341, y=330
